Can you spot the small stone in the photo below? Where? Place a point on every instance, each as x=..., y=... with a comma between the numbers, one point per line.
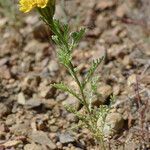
x=71, y=117
x=30, y=83
x=46, y=92
x=127, y=61
x=50, y=103
x=3, y=22
x=59, y=145
x=32, y=103
x=3, y=110
x=120, y=110
x=13, y=143
x=66, y=138
x=53, y=128
x=113, y=123
x=101, y=22
x=20, y=128
x=32, y=20
x=10, y=120
x=72, y=101
x=61, y=97
x=105, y=91
x=104, y=4
x=132, y=79
x=34, y=46
x=117, y=51
x=147, y=118
x=41, y=32
x=121, y=10
x=5, y=72
x=53, y=66
x=41, y=137
x=21, y=98
x=116, y=89
x=3, y=61
x=32, y=147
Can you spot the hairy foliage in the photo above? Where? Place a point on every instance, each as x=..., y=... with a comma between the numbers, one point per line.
x=66, y=43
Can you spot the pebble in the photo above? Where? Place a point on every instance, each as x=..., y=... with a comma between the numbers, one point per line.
x=41, y=137
x=66, y=138
x=72, y=101
x=12, y=143
x=113, y=123
x=21, y=98
x=53, y=66
x=33, y=103
x=3, y=110
x=46, y=91
x=104, y=92
x=132, y=79
x=5, y=72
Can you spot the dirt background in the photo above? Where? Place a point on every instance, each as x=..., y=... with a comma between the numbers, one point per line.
x=32, y=116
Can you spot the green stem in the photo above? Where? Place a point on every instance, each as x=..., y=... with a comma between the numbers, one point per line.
x=80, y=87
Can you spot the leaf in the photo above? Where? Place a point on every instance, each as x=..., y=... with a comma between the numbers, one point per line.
x=94, y=83
x=92, y=69
x=77, y=36
x=64, y=57
x=65, y=88
x=66, y=32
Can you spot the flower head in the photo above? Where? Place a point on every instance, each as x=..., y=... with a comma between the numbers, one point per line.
x=28, y=5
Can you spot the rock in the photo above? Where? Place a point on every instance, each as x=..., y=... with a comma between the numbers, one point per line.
x=12, y=143
x=46, y=91
x=21, y=128
x=131, y=144
x=4, y=110
x=50, y=103
x=5, y=72
x=32, y=146
x=34, y=46
x=41, y=137
x=41, y=32
x=105, y=91
x=53, y=128
x=72, y=101
x=127, y=61
x=101, y=52
x=147, y=117
x=32, y=20
x=10, y=120
x=33, y=103
x=71, y=117
x=116, y=89
x=102, y=23
x=61, y=96
x=30, y=84
x=132, y=79
x=4, y=61
x=122, y=10
x=117, y=51
x=3, y=22
x=111, y=39
x=66, y=138
x=113, y=123
x=104, y=4
x=21, y=98
x=53, y=66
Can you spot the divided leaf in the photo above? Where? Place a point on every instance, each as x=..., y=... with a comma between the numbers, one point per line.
x=92, y=69
x=77, y=36
x=65, y=88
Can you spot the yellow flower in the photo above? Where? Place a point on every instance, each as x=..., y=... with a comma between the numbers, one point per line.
x=28, y=5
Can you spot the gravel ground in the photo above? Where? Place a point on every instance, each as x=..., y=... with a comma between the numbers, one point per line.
x=32, y=116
